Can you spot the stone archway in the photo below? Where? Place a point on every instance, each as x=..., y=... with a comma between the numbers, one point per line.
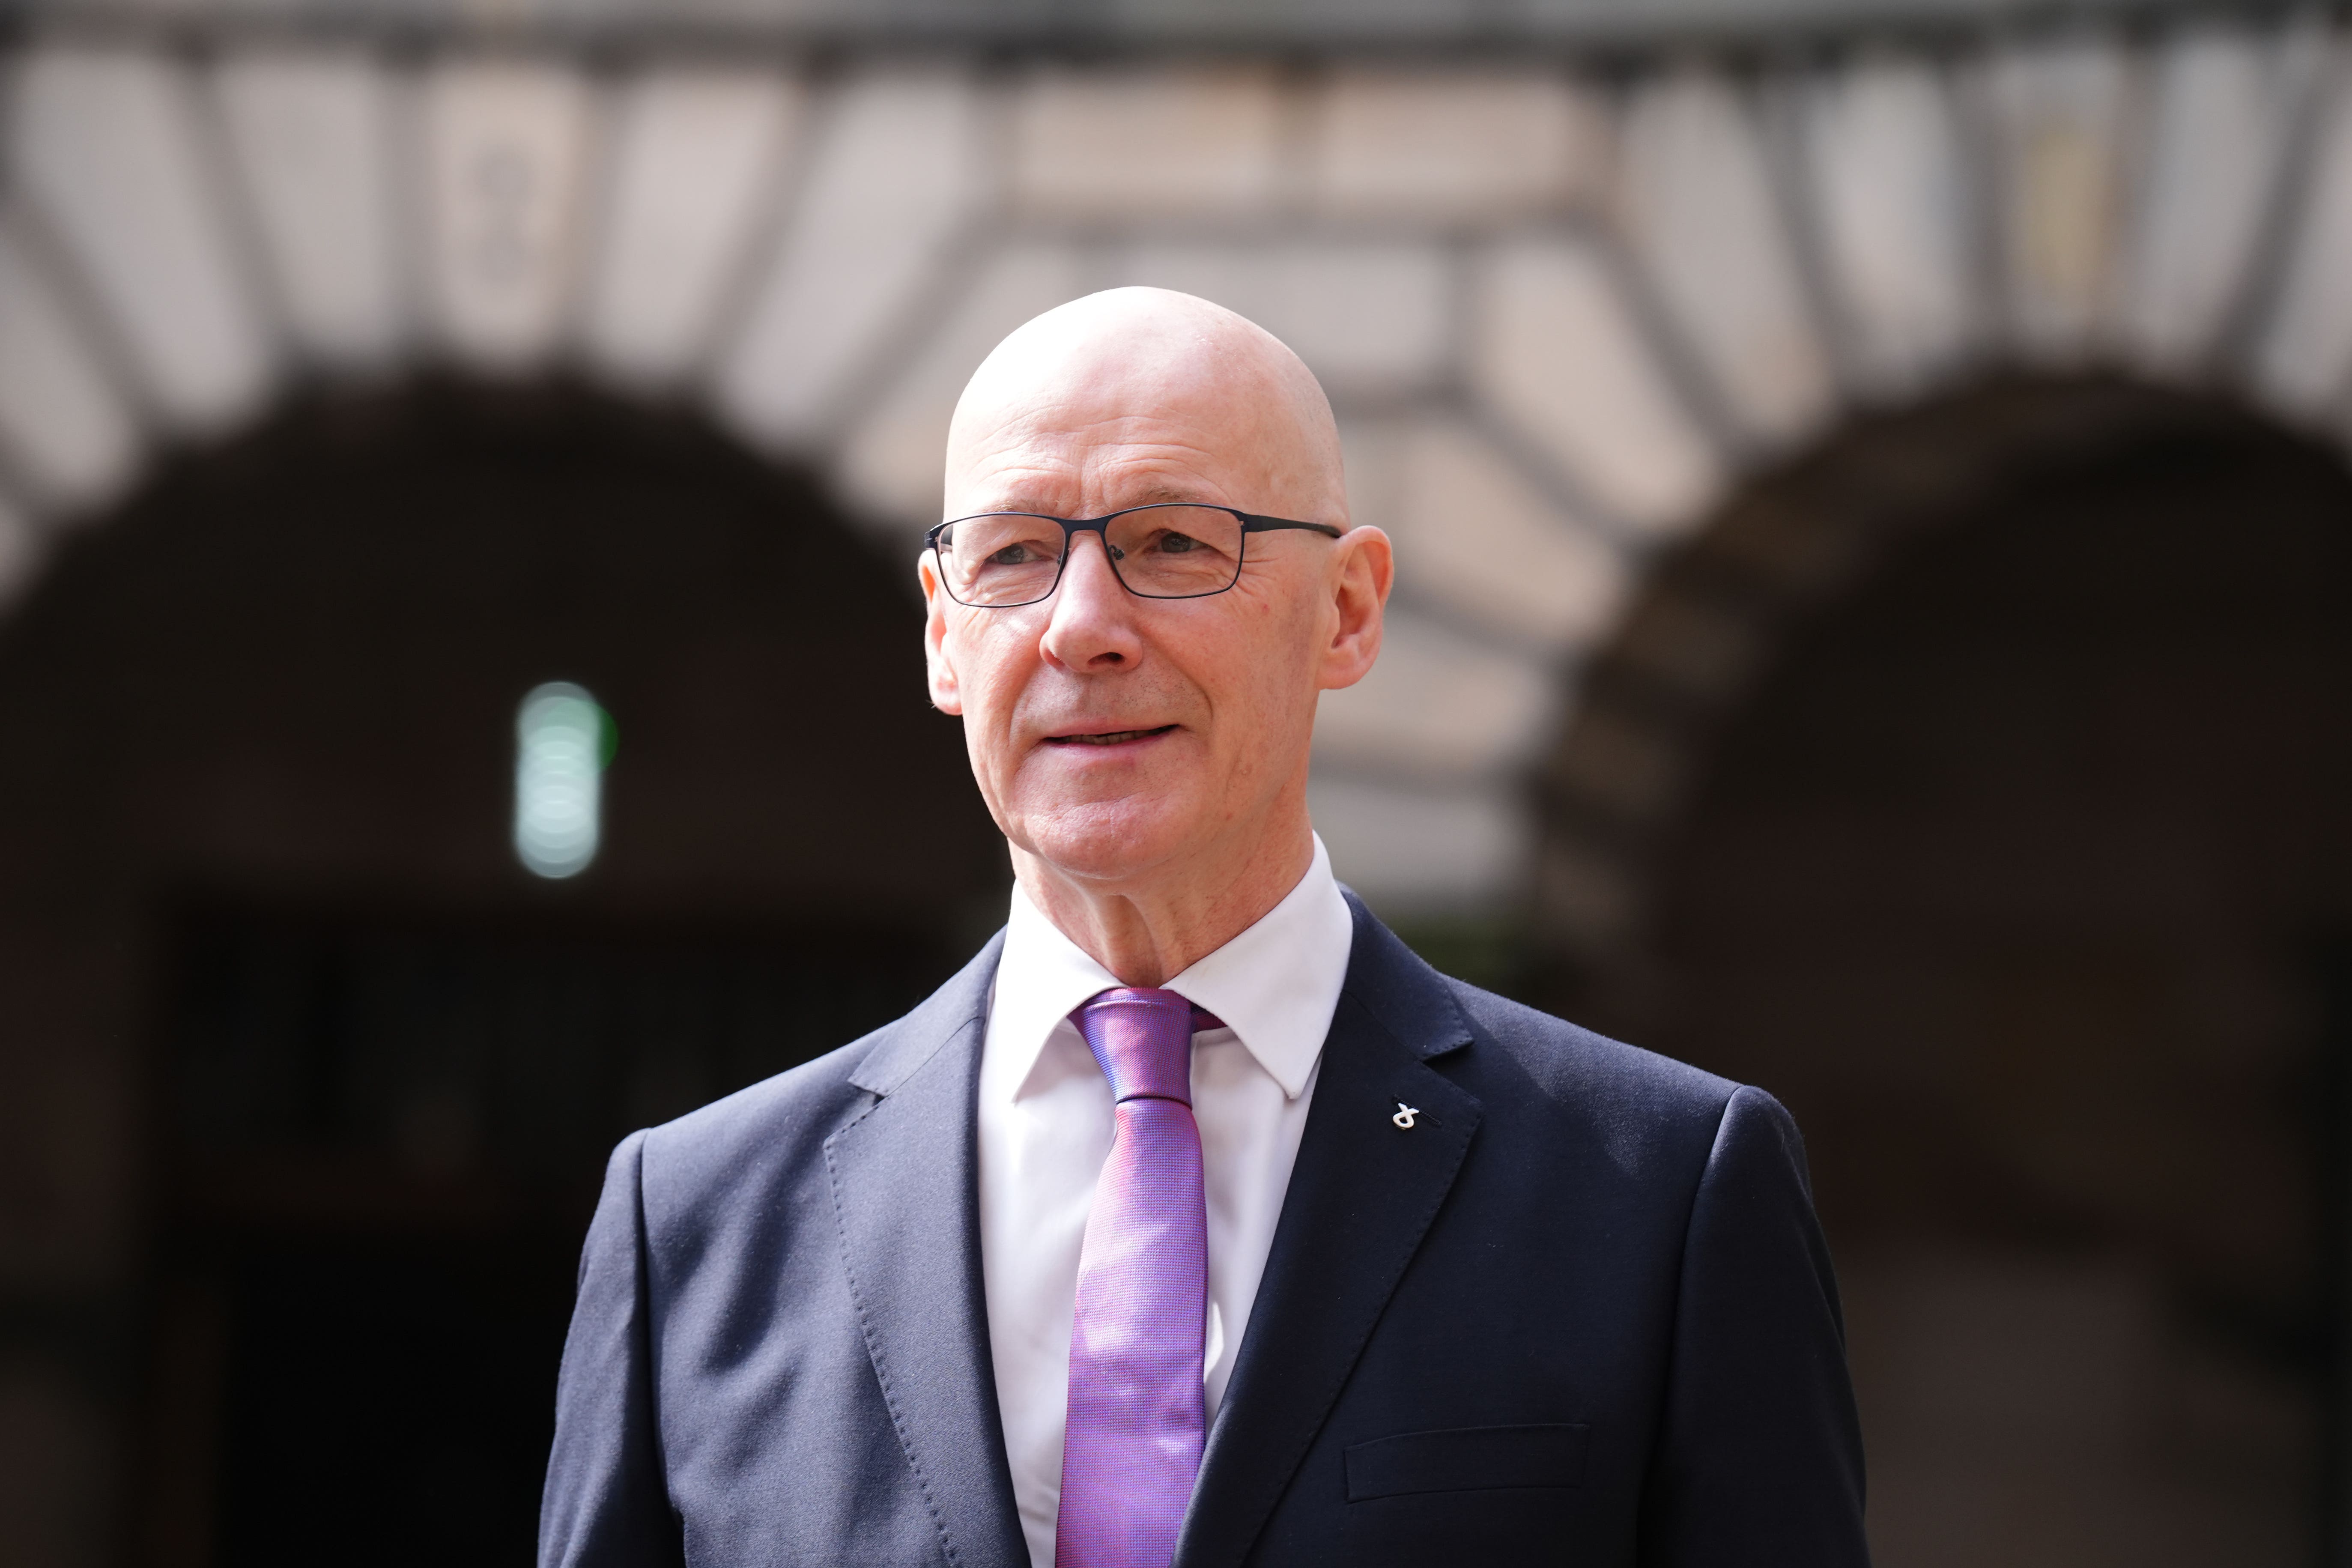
x=1976, y=784
x=308, y=1083
x=1707, y=619
x=1559, y=314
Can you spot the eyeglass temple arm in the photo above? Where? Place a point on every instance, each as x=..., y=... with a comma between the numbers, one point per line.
x=1253, y=524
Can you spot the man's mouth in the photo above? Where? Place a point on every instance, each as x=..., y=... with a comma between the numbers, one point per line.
x=1107, y=737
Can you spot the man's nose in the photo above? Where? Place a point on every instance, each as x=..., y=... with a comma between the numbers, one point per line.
x=1092, y=626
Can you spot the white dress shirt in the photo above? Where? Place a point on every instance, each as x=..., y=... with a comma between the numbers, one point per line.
x=1046, y=1129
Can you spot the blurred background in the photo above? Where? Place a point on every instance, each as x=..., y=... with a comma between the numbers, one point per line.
x=1875, y=620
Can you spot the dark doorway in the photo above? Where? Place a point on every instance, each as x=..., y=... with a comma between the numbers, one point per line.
x=2009, y=871
x=255, y=807
x=385, y=1142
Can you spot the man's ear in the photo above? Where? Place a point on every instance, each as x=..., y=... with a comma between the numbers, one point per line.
x=947, y=696
x=1361, y=575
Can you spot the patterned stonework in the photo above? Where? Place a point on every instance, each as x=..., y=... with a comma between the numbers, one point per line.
x=1559, y=319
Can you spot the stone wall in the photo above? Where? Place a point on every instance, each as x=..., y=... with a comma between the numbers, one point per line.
x=1561, y=315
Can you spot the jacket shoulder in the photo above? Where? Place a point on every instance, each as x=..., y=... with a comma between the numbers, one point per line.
x=773, y=1126
x=1517, y=1048
x=812, y=1094
x=776, y=1129
x=1557, y=1048
x=1635, y=1099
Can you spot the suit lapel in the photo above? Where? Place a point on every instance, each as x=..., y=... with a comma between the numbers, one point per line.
x=1361, y=1195
x=905, y=1194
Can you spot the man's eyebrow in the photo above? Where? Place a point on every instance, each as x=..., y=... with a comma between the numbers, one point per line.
x=1163, y=494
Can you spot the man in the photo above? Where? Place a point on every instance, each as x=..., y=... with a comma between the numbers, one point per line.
x=1197, y=1220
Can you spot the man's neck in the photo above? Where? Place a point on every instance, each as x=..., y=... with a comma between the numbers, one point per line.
x=1149, y=931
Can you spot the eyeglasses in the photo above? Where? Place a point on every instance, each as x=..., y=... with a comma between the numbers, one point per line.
x=999, y=559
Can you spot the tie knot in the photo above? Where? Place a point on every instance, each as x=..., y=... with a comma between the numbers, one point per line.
x=1143, y=1039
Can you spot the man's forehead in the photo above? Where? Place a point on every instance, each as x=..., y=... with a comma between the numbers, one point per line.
x=1115, y=474
x=1135, y=422
x=1103, y=411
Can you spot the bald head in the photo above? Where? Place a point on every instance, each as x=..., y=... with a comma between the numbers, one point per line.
x=1139, y=394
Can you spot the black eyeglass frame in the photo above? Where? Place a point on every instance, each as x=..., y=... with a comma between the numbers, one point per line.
x=1252, y=523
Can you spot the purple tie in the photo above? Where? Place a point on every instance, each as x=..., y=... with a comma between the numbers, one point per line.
x=1137, y=1410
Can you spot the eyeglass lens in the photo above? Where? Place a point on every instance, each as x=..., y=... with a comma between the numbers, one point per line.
x=1160, y=551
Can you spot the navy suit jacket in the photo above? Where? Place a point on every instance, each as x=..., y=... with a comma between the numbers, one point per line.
x=1579, y=1313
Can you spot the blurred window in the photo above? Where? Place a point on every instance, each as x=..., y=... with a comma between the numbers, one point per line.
x=563, y=740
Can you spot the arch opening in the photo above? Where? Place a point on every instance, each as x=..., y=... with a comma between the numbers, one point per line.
x=312, y=1079
x=1977, y=784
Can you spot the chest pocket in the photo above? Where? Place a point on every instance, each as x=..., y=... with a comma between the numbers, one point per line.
x=1468, y=1459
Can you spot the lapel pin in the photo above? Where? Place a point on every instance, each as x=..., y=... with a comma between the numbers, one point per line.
x=1404, y=1115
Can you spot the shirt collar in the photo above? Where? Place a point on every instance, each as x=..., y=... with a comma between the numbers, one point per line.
x=1275, y=985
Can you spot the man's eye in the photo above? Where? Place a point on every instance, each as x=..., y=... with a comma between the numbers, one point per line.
x=1012, y=556
x=1177, y=544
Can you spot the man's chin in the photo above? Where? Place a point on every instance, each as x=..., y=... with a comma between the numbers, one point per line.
x=1106, y=841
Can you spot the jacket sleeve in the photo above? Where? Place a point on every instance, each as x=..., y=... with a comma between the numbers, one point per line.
x=1758, y=1457
x=606, y=1504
